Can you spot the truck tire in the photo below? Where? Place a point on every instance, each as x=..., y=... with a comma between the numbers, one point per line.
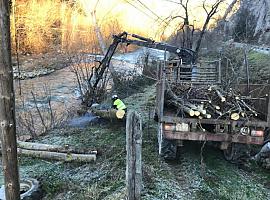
x=30, y=189
x=236, y=153
x=167, y=149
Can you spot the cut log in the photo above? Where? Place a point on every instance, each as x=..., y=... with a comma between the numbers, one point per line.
x=106, y=114
x=207, y=116
x=235, y=116
x=54, y=148
x=120, y=114
x=243, y=114
x=211, y=102
x=217, y=107
x=55, y=152
x=197, y=113
x=222, y=98
x=189, y=111
x=203, y=111
x=67, y=157
x=198, y=110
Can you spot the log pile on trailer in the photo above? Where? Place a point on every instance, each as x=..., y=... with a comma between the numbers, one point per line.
x=210, y=102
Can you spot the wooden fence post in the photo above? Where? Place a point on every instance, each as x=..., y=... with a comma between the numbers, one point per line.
x=134, y=157
x=7, y=108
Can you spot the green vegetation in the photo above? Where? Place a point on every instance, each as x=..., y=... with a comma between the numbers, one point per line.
x=259, y=67
x=234, y=71
x=223, y=180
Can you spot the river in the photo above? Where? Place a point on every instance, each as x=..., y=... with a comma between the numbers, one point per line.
x=59, y=90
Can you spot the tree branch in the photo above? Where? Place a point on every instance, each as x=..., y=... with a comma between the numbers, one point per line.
x=229, y=9
x=210, y=14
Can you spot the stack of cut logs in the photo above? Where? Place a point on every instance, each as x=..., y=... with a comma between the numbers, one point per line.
x=209, y=102
x=55, y=152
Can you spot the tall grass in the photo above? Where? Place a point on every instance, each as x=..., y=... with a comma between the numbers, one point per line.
x=45, y=25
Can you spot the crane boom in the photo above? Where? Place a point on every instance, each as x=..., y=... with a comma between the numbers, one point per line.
x=187, y=55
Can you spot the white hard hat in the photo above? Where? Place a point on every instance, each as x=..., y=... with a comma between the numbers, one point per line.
x=114, y=96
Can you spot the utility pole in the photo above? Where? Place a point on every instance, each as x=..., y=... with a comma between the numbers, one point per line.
x=7, y=108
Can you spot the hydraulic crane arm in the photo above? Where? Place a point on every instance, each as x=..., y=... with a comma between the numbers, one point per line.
x=187, y=55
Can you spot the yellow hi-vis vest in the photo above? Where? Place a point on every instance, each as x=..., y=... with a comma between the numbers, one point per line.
x=119, y=104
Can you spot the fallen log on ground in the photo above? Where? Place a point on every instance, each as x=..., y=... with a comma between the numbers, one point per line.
x=55, y=152
x=53, y=148
x=67, y=157
x=111, y=114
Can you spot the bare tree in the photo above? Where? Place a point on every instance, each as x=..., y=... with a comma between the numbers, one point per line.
x=209, y=14
x=7, y=108
x=187, y=29
x=185, y=26
x=187, y=41
x=229, y=9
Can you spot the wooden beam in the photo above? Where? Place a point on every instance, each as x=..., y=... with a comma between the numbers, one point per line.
x=7, y=108
x=163, y=86
x=257, y=123
x=217, y=137
x=134, y=157
x=268, y=113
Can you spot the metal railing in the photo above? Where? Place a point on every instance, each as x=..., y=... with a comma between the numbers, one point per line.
x=205, y=73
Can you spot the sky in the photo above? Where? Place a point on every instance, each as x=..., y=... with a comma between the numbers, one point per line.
x=146, y=16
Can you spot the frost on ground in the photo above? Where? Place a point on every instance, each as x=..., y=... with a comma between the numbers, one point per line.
x=185, y=178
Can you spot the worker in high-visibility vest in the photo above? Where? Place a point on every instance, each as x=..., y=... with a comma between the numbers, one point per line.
x=118, y=103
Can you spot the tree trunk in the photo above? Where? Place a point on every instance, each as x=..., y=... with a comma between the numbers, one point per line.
x=107, y=114
x=229, y=9
x=199, y=41
x=56, y=152
x=210, y=14
x=7, y=108
x=67, y=157
x=54, y=148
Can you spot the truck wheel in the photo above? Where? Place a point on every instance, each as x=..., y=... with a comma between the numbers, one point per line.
x=167, y=149
x=229, y=153
x=30, y=189
x=236, y=153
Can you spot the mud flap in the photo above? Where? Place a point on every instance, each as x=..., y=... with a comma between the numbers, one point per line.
x=167, y=149
x=237, y=153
